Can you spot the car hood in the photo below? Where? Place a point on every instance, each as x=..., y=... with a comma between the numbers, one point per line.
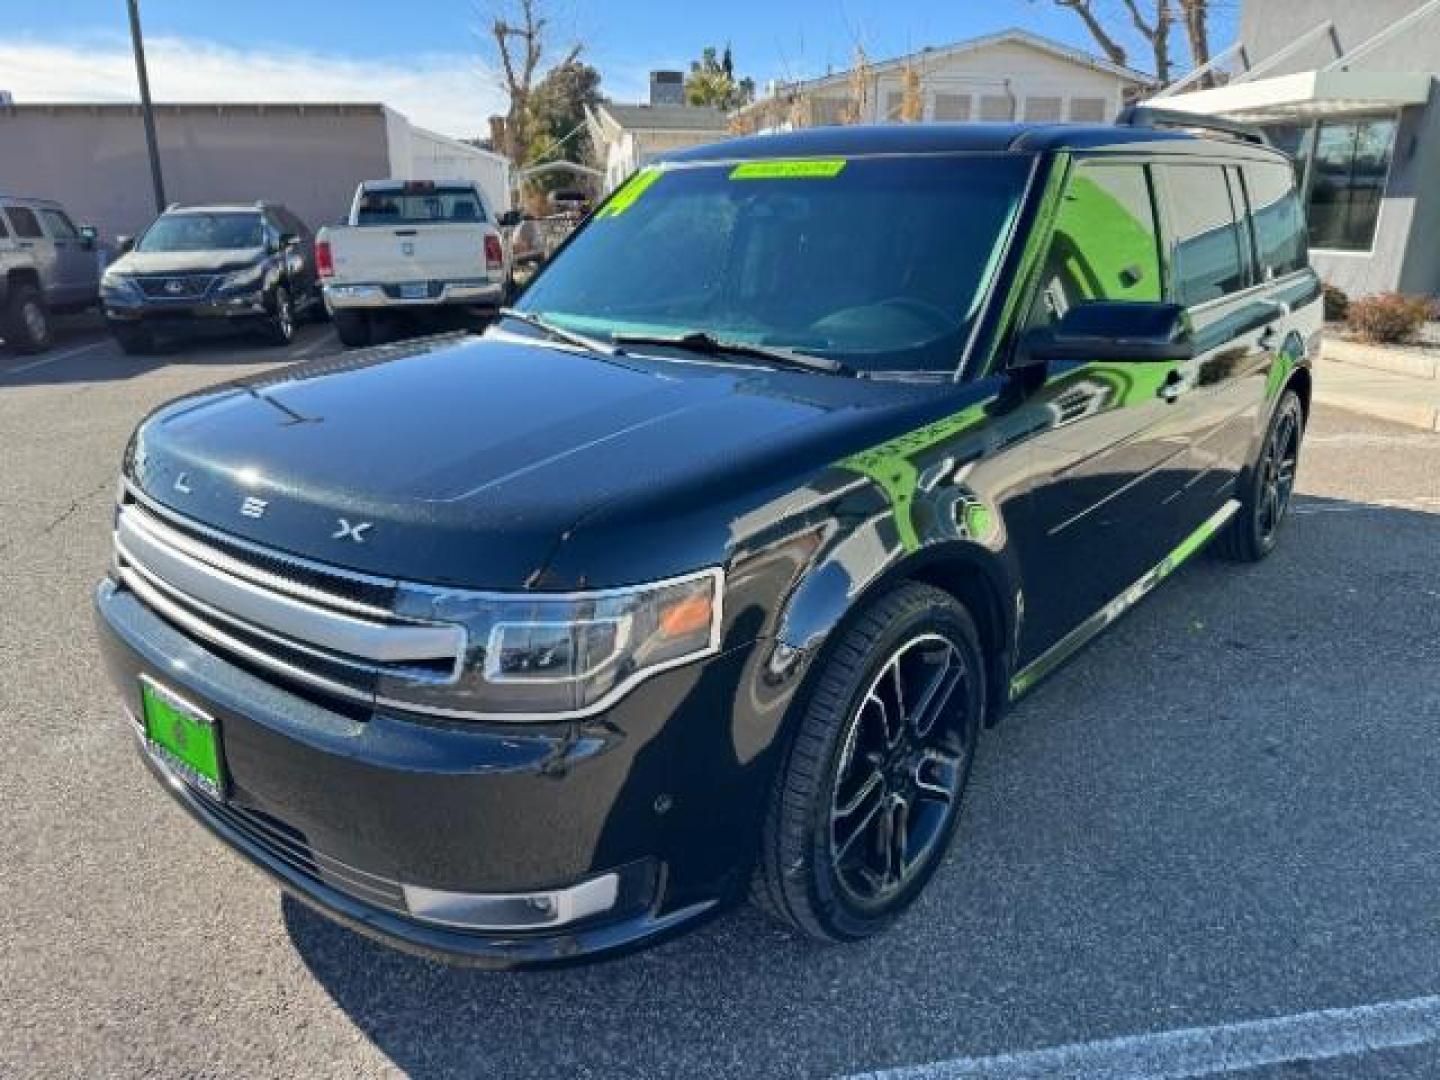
x=187, y=262
x=469, y=460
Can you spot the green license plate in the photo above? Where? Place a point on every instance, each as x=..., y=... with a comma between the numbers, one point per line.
x=183, y=737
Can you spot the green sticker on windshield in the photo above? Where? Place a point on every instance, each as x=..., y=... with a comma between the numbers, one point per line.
x=631, y=190
x=810, y=169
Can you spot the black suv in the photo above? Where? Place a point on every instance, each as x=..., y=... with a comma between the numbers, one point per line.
x=213, y=267
x=701, y=573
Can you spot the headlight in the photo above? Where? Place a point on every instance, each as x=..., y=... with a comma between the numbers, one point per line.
x=545, y=657
x=119, y=283
x=248, y=277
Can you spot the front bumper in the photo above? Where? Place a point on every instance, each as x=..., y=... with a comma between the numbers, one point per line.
x=345, y=810
x=220, y=309
x=364, y=296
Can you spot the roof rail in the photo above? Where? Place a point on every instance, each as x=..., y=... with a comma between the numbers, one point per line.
x=1147, y=116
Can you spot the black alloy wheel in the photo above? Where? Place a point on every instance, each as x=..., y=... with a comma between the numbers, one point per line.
x=869, y=794
x=1268, y=486
x=282, y=321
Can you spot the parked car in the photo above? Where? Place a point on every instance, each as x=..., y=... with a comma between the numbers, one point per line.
x=411, y=247
x=206, y=268
x=701, y=573
x=47, y=266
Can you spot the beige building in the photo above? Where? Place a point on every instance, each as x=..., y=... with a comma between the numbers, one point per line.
x=92, y=158
x=1010, y=75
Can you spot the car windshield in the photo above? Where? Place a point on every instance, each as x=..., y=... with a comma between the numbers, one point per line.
x=418, y=207
x=879, y=262
x=203, y=232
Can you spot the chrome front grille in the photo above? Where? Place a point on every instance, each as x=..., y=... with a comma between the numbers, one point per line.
x=319, y=626
x=176, y=286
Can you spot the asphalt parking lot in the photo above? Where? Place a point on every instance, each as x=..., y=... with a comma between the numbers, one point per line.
x=1210, y=844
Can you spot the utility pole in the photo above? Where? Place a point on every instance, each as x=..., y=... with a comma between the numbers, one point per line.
x=146, y=110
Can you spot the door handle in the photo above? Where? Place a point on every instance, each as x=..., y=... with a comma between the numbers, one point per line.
x=1267, y=337
x=1173, y=386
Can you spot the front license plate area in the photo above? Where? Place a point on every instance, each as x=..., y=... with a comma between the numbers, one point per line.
x=418, y=291
x=184, y=738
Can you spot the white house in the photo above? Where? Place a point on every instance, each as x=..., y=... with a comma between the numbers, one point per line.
x=625, y=137
x=1010, y=75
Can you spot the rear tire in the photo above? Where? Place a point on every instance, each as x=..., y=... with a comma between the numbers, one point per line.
x=867, y=799
x=352, y=328
x=1269, y=484
x=133, y=340
x=27, y=323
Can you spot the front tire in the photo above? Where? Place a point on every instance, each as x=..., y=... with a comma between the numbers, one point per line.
x=868, y=797
x=281, y=327
x=1254, y=531
x=27, y=323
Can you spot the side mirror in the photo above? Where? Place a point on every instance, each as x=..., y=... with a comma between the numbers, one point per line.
x=124, y=245
x=510, y=218
x=89, y=235
x=1111, y=330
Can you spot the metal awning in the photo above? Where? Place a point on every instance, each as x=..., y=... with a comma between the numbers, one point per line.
x=1306, y=94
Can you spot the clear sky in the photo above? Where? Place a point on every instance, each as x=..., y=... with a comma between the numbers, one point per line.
x=434, y=60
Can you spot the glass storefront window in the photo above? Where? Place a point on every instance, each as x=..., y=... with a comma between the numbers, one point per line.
x=1351, y=160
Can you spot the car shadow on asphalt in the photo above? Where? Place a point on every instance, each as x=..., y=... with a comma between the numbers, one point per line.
x=1224, y=809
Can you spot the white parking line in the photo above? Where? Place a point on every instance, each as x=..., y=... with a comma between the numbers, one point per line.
x=52, y=357
x=1206, y=1051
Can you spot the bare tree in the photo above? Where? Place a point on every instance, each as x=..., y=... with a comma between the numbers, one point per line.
x=912, y=101
x=855, y=109
x=519, y=31
x=1152, y=20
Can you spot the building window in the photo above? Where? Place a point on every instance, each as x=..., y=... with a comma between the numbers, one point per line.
x=894, y=104
x=1042, y=110
x=828, y=110
x=1087, y=110
x=952, y=106
x=997, y=107
x=1347, y=181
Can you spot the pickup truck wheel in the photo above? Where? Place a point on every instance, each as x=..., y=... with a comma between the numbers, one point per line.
x=352, y=328
x=134, y=340
x=27, y=323
x=281, y=328
x=868, y=796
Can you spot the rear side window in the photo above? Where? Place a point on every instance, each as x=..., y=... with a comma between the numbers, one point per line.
x=60, y=226
x=24, y=222
x=1207, y=246
x=1279, y=221
x=1104, y=246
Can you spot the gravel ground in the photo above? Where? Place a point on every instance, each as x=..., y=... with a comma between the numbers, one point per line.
x=1225, y=810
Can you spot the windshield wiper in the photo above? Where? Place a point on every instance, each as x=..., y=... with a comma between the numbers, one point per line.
x=699, y=341
x=560, y=334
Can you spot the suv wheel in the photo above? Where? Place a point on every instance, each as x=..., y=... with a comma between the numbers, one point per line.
x=27, y=323
x=869, y=794
x=282, y=321
x=352, y=328
x=1253, y=532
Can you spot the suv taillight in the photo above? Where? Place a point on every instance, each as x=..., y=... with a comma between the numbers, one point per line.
x=494, y=257
x=324, y=262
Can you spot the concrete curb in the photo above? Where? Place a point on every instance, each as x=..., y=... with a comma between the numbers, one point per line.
x=1411, y=414
x=1397, y=359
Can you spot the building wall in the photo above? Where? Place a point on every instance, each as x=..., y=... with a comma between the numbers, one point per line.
x=1406, y=252
x=1004, y=81
x=95, y=162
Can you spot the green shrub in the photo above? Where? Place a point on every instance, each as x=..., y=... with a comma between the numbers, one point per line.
x=1337, y=304
x=1387, y=317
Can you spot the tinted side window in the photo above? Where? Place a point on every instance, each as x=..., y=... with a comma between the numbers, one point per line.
x=24, y=222
x=1279, y=221
x=1208, y=263
x=59, y=225
x=1104, y=246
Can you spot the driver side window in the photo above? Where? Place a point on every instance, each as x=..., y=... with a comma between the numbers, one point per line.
x=1105, y=245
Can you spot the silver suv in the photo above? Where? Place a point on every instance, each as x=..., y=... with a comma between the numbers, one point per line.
x=47, y=266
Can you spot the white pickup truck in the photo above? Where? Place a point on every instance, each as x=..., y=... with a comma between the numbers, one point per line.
x=417, y=247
